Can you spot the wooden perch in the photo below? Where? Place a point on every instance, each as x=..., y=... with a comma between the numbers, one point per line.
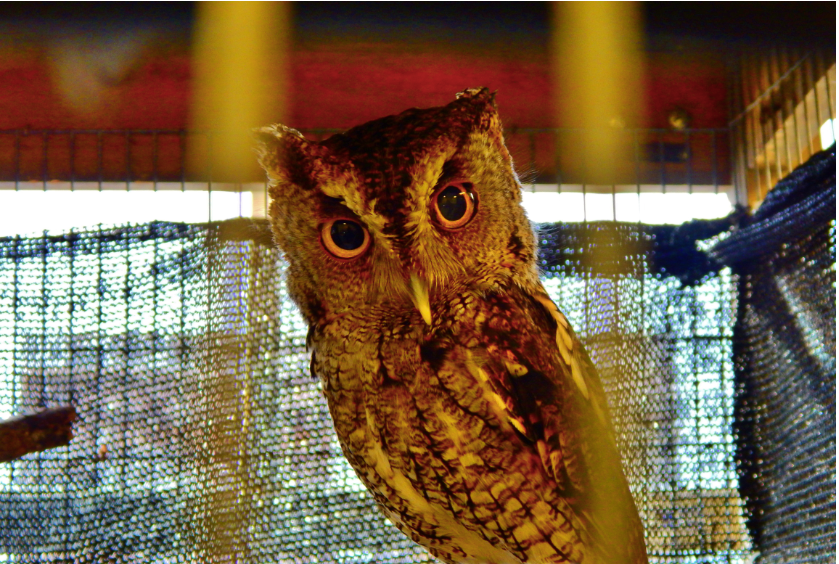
x=33, y=433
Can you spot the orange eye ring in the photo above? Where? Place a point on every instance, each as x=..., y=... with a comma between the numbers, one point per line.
x=344, y=238
x=454, y=204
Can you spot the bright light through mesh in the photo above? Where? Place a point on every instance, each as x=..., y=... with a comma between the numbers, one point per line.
x=650, y=208
x=57, y=211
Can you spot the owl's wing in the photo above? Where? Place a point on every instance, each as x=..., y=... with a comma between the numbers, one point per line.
x=555, y=401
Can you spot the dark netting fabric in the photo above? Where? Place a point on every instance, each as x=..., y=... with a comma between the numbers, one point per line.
x=202, y=438
x=785, y=365
x=664, y=350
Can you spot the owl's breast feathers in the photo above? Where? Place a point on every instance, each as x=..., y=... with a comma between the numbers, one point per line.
x=486, y=437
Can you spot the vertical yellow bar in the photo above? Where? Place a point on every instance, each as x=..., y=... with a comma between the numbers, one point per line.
x=241, y=59
x=240, y=54
x=597, y=50
x=598, y=64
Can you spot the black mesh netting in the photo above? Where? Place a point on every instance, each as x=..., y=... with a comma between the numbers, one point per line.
x=785, y=364
x=202, y=438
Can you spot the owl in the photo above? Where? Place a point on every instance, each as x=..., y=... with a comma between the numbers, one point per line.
x=459, y=392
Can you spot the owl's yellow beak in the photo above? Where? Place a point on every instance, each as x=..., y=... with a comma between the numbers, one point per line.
x=419, y=295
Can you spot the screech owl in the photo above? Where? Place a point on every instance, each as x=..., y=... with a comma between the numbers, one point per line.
x=459, y=392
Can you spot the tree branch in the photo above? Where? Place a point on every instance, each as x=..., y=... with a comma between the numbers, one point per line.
x=33, y=433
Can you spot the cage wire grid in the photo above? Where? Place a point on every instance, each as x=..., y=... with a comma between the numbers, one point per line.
x=780, y=98
x=202, y=437
x=656, y=161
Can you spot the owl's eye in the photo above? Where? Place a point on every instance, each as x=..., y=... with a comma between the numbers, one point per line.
x=344, y=238
x=454, y=205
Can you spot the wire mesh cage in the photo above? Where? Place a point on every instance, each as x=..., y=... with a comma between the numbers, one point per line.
x=45, y=173
x=784, y=106
x=201, y=436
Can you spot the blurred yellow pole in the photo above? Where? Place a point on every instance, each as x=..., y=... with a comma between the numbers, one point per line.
x=240, y=54
x=597, y=53
x=598, y=49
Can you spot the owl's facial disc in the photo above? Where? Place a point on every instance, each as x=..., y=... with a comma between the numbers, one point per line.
x=400, y=213
x=346, y=237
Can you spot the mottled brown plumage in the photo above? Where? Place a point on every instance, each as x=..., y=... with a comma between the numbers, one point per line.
x=459, y=392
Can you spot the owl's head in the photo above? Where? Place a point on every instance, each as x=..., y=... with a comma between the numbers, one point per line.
x=400, y=214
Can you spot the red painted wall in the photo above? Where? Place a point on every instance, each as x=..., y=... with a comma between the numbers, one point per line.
x=334, y=84
x=338, y=85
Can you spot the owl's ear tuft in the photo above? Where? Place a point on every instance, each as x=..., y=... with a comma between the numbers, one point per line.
x=480, y=98
x=480, y=105
x=283, y=153
x=478, y=94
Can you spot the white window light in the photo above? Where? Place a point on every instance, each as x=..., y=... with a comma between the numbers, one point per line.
x=30, y=209
x=546, y=204
x=828, y=133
